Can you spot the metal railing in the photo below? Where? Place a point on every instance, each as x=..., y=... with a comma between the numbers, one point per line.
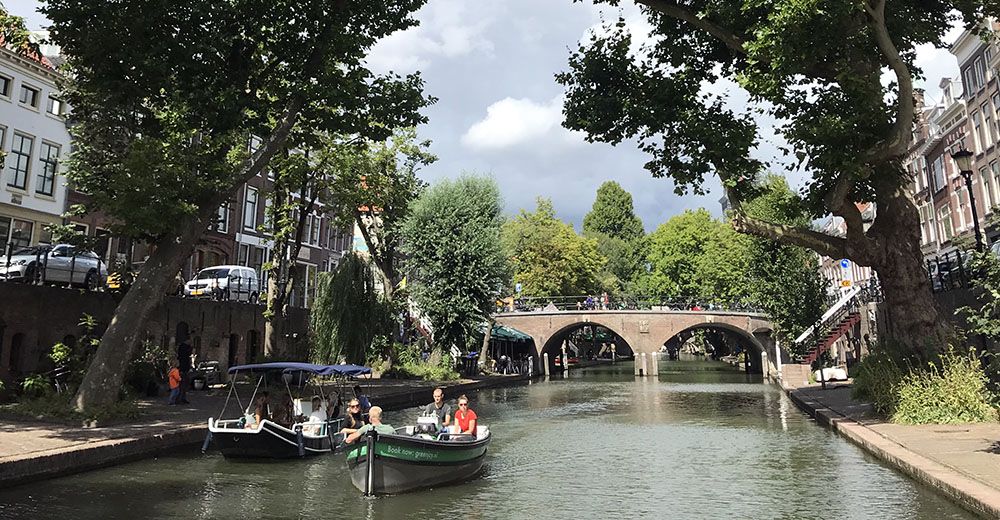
x=865, y=294
x=622, y=303
x=949, y=271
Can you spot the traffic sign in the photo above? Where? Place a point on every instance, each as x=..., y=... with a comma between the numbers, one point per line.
x=845, y=263
x=845, y=283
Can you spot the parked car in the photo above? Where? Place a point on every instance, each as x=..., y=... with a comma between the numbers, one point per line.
x=225, y=282
x=60, y=264
x=122, y=281
x=208, y=371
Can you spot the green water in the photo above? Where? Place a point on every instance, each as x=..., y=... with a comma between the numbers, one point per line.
x=698, y=443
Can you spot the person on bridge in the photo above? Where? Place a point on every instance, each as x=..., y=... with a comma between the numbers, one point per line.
x=439, y=408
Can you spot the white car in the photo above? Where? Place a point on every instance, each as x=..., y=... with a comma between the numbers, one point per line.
x=225, y=282
x=61, y=264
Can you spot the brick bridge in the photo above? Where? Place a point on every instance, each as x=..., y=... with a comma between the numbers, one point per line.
x=645, y=331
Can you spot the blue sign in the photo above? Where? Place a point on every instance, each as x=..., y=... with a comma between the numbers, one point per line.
x=518, y=288
x=845, y=263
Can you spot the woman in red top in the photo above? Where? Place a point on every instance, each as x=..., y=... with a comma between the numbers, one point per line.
x=465, y=418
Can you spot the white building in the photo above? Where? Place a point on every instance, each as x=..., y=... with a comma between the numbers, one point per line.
x=34, y=140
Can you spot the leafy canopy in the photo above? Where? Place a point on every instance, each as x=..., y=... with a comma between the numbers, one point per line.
x=455, y=263
x=612, y=214
x=548, y=257
x=166, y=96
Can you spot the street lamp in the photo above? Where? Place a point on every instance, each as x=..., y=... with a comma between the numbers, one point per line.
x=963, y=158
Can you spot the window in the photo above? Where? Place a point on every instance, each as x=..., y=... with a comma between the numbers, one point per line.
x=988, y=197
x=250, y=209
x=314, y=230
x=977, y=132
x=49, y=155
x=945, y=230
x=5, y=84
x=244, y=254
x=55, y=106
x=17, y=232
x=925, y=223
x=989, y=130
x=995, y=182
x=970, y=84
x=987, y=57
x=963, y=203
x=29, y=96
x=222, y=219
x=19, y=160
x=937, y=173
x=980, y=72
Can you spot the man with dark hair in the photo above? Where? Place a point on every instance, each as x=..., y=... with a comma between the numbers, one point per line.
x=184, y=351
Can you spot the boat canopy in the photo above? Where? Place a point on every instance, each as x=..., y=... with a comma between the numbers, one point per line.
x=292, y=367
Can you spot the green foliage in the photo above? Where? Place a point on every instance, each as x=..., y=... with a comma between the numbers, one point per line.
x=348, y=314
x=548, y=257
x=984, y=318
x=455, y=263
x=165, y=136
x=15, y=35
x=57, y=407
x=612, y=214
x=36, y=385
x=409, y=365
x=950, y=389
x=951, y=392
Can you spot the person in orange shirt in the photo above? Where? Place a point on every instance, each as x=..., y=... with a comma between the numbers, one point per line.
x=465, y=418
x=174, y=378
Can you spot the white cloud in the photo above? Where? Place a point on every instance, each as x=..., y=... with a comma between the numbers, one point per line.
x=448, y=29
x=511, y=122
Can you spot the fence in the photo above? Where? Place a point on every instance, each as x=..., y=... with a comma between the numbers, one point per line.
x=621, y=303
x=949, y=271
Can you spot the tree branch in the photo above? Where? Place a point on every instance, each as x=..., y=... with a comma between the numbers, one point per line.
x=731, y=39
x=827, y=245
x=899, y=140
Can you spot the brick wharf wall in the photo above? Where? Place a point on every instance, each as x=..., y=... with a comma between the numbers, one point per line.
x=33, y=318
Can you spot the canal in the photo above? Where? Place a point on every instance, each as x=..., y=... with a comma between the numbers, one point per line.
x=703, y=441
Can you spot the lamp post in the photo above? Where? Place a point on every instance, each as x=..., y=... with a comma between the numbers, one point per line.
x=963, y=158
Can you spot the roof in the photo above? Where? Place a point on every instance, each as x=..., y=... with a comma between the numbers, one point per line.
x=505, y=333
x=287, y=367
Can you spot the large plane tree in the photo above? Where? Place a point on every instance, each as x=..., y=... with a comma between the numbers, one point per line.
x=166, y=96
x=816, y=67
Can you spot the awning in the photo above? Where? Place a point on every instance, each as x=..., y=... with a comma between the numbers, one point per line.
x=291, y=367
x=505, y=333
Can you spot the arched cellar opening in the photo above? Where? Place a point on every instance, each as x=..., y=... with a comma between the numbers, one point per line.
x=716, y=342
x=585, y=342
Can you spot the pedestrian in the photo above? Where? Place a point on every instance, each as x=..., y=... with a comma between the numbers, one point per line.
x=184, y=365
x=174, y=380
x=604, y=301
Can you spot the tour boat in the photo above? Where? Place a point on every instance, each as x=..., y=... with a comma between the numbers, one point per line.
x=414, y=459
x=240, y=438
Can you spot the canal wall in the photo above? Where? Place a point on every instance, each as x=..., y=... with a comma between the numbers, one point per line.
x=958, y=466
x=149, y=440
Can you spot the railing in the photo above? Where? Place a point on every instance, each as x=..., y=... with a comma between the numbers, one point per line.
x=949, y=271
x=621, y=303
x=851, y=303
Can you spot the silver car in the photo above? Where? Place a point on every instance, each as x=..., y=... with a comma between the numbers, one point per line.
x=59, y=264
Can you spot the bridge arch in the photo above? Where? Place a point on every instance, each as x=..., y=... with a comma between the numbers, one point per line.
x=753, y=342
x=553, y=344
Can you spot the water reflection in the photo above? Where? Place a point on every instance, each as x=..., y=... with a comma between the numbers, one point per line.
x=697, y=443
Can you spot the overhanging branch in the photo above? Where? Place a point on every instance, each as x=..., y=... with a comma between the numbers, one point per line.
x=898, y=142
x=726, y=36
x=826, y=245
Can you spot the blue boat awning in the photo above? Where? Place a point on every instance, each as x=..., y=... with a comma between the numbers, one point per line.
x=290, y=367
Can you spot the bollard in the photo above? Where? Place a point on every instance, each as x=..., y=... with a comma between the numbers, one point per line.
x=765, y=370
x=531, y=366
x=545, y=362
x=565, y=361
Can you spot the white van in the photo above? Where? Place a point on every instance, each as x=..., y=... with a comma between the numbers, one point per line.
x=225, y=282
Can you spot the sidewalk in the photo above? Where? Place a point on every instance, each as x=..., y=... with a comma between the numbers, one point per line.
x=31, y=451
x=960, y=461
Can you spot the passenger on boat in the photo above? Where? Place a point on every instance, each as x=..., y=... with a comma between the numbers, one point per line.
x=465, y=418
x=354, y=420
x=262, y=410
x=366, y=404
x=316, y=417
x=439, y=408
x=375, y=416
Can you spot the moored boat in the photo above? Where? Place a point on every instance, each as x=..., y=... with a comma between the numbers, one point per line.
x=407, y=460
x=303, y=435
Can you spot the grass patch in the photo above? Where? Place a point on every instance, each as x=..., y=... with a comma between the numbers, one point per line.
x=57, y=408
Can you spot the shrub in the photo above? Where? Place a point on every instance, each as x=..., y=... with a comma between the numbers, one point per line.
x=879, y=374
x=58, y=407
x=954, y=392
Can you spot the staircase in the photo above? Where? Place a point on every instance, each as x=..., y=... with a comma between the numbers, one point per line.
x=832, y=335
x=841, y=317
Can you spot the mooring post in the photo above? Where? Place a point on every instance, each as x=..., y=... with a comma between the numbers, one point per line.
x=777, y=357
x=531, y=366
x=565, y=361
x=545, y=363
x=764, y=368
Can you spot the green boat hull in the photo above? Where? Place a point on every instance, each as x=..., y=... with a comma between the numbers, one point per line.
x=404, y=463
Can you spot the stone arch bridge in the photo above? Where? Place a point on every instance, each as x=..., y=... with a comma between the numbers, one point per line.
x=645, y=331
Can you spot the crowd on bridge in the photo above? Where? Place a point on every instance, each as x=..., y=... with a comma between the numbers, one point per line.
x=606, y=302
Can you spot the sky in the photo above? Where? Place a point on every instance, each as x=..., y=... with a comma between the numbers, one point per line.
x=492, y=66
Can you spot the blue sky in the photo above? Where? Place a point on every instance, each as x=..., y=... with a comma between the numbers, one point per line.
x=491, y=64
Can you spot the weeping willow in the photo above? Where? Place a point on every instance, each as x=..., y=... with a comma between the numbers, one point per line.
x=348, y=313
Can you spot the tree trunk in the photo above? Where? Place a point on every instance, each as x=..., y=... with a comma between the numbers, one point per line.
x=108, y=368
